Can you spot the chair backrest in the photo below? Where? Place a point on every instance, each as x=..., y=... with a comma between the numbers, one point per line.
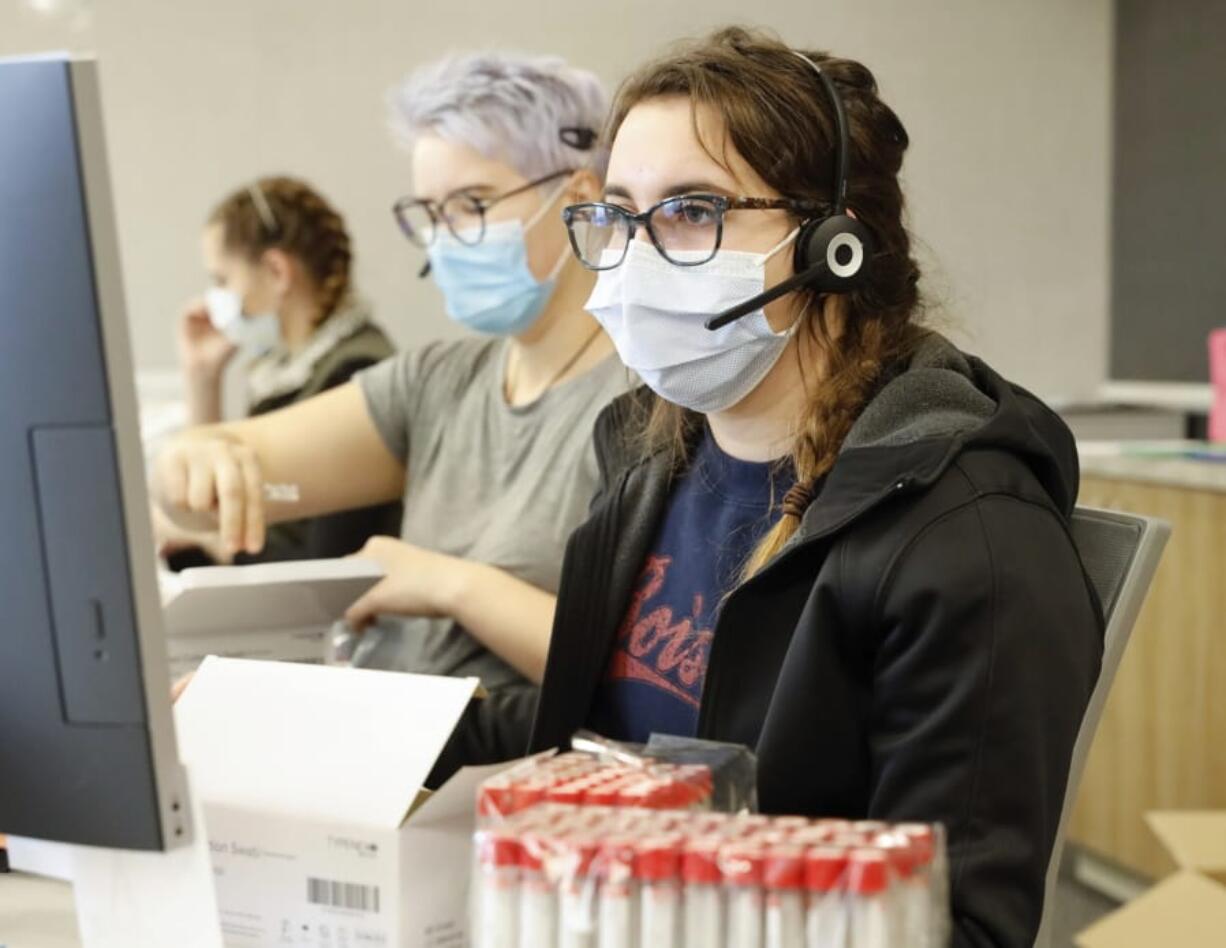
x=1120, y=553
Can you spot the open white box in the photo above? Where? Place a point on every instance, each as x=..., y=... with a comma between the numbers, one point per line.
x=311, y=779
x=270, y=611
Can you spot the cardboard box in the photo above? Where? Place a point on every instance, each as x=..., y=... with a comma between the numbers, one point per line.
x=1188, y=908
x=268, y=611
x=311, y=778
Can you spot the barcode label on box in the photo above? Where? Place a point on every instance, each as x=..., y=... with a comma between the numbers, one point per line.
x=344, y=895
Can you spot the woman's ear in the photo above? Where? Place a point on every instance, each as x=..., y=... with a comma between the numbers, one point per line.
x=279, y=267
x=584, y=186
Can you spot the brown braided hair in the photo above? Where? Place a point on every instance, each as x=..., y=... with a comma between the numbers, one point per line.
x=303, y=224
x=778, y=117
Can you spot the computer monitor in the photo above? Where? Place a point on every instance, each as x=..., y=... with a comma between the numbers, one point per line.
x=87, y=744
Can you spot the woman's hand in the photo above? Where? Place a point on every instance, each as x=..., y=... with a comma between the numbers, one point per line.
x=168, y=539
x=212, y=484
x=203, y=351
x=416, y=582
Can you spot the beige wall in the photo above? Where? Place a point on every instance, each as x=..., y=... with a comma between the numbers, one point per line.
x=1007, y=103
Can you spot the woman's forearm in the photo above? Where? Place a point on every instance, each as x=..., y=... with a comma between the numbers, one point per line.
x=510, y=617
x=203, y=398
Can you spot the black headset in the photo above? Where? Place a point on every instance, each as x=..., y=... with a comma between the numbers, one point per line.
x=832, y=252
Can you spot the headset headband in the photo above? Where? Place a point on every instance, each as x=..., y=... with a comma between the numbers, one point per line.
x=840, y=131
x=262, y=207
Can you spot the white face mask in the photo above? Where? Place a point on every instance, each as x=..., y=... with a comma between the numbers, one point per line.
x=255, y=334
x=654, y=312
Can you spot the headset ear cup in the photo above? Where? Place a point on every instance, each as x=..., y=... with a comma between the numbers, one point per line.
x=840, y=242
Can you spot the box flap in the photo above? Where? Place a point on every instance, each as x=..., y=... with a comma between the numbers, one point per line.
x=1185, y=909
x=1196, y=839
x=315, y=741
x=457, y=797
x=265, y=595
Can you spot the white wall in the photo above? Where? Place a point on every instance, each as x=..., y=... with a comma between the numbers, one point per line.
x=1007, y=104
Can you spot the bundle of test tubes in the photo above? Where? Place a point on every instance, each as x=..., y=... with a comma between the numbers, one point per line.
x=560, y=875
x=582, y=779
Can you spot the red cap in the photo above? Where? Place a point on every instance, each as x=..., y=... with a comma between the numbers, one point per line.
x=527, y=793
x=900, y=850
x=791, y=824
x=923, y=841
x=657, y=859
x=570, y=792
x=700, y=863
x=586, y=848
x=742, y=864
x=616, y=858
x=811, y=836
x=604, y=793
x=532, y=852
x=848, y=840
x=868, y=872
x=495, y=798
x=500, y=850
x=746, y=824
x=784, y=869
x=635, y=792
x=825, y=868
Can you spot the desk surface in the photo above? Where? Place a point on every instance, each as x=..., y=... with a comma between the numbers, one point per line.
x=36, y=913
x=1152, y=464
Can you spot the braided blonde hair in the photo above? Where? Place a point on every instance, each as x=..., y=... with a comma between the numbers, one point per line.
x=289, y=215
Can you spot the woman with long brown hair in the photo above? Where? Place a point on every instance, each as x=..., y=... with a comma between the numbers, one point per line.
x=822, y=531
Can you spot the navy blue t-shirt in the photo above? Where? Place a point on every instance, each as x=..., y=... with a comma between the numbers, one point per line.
x=719, y=510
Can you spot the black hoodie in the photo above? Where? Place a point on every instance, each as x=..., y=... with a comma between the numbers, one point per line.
x=922, y=650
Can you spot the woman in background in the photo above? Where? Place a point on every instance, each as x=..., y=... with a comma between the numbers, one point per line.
x=487, y=438
x=281, y=297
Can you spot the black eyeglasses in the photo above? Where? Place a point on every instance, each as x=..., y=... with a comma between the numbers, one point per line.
x=686, y=230
x=463, y=213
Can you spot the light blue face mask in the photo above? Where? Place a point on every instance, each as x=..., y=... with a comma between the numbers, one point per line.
x=488, y=286
x=253, y=334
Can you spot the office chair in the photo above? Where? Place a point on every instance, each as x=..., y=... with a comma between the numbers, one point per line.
x=1120, y=553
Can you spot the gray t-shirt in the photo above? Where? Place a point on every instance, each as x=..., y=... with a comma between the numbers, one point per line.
x=485, y=481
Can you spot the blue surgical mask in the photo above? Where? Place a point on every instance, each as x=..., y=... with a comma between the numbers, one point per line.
x=488, y=286
x=253, y=334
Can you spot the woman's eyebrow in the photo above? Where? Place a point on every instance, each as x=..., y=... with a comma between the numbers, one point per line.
x=696, y=187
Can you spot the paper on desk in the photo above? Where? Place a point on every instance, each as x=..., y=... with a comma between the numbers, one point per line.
x=313, y=741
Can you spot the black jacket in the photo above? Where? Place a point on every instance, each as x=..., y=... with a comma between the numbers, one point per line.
x=923, y=649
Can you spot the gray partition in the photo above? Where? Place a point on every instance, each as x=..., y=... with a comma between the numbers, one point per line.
x=1169, y=191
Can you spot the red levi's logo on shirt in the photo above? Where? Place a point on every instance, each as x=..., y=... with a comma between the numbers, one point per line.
x=656, y=646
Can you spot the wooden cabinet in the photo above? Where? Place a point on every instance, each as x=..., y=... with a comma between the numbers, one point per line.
x=1162, y=740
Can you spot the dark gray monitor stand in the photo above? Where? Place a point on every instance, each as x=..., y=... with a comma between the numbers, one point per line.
x=87, y=743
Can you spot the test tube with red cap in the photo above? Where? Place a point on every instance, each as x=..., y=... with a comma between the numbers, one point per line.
x=495, y=798
x=616, y=920
x=657, y=867
x=499, y=855
x=704, y=894
x=577, y=922
x=910, y=894
x=791, y=824
x=783, y=881
x=741, y=864
x=868, y=885
x=826, y=911
x=928, y=871
x=538, y=903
